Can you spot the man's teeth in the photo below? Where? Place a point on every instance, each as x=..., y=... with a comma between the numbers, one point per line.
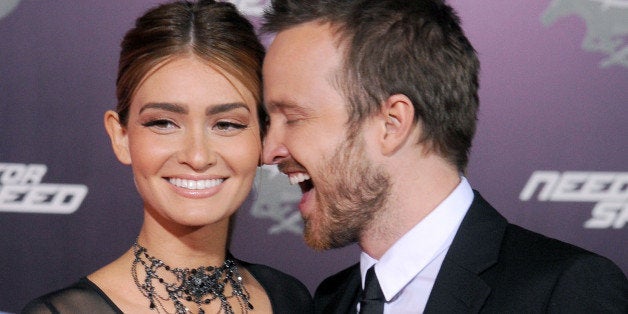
x=298, y=178
x=195, y=184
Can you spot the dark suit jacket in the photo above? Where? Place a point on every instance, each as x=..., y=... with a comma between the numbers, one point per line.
x=496, y=267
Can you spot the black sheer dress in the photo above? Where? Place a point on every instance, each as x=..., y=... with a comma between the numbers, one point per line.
x=286, y=294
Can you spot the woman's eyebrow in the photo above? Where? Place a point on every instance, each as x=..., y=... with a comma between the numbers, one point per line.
x=225, y=107
x=214, y=109
x=165, y=106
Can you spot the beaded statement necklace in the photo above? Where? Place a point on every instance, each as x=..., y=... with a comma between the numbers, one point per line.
x=201, y=285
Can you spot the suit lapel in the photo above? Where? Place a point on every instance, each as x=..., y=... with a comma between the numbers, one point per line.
x=458, y=287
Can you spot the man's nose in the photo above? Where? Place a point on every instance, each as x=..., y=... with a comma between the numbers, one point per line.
x=274, y=148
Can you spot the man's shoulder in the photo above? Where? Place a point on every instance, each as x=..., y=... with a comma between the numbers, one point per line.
x=521, y=243
x=557, y=274
x=516, y=243
x=548, y=254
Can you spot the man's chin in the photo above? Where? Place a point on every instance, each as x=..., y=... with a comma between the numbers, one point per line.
x=316, y=245
x=313, y=239
x=319, y=241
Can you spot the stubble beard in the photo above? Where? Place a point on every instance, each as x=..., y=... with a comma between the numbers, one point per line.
x=350, y=193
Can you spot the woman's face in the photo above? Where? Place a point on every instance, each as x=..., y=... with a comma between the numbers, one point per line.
x=193, y=142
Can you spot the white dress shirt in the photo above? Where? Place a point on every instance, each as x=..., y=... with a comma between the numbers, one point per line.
x=407, y=271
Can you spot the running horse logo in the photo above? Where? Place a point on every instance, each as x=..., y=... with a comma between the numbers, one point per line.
x=251, y=7
x=7, y=6
x=607, y=26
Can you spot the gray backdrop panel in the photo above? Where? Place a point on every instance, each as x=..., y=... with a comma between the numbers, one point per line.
x=553, y=98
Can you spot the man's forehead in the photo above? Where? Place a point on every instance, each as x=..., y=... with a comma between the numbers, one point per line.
x=300, y=52
x=301, y=68
x=311, y=38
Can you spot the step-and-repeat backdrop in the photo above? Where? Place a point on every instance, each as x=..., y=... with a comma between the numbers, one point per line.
x=551, y=151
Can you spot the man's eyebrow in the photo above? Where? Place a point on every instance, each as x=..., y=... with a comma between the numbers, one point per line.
x=165, y=106
x=215, y=109
x=285, y=105
x=291, y=108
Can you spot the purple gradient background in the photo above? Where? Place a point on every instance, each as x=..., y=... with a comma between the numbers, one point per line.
x=545, y=105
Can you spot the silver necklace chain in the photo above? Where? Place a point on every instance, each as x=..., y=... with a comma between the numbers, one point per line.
x=201, y=286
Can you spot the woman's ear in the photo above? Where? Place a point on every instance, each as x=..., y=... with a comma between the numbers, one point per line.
x=398, y=115
x=119, y=137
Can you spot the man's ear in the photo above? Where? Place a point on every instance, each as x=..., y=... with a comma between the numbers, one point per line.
x=119, y=137
x=398, y=115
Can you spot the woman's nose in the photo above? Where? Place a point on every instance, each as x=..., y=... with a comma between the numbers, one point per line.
x=197, y=151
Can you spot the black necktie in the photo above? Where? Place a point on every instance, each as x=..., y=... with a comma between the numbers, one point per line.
x=372, y=298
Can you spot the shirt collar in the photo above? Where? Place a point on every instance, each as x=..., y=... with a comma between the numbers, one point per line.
x=419, y=246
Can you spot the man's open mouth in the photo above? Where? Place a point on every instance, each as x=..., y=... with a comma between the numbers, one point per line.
x=302, y=179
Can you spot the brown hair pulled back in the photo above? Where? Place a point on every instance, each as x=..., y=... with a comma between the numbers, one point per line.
x=214, y=31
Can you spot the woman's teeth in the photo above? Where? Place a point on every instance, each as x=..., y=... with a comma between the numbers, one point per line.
x=195, y=184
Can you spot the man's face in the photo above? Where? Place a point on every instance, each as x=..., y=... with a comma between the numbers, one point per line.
x=308, y=138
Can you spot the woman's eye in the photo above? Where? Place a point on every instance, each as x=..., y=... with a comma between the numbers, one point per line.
x=229, y=126
x=160, y=124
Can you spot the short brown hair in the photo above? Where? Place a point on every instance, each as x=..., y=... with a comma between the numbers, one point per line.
x=411, y=47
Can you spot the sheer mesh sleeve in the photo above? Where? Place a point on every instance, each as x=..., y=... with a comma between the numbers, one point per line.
x=82, y=297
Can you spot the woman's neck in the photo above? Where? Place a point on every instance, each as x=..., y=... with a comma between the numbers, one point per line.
x=185, y=246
